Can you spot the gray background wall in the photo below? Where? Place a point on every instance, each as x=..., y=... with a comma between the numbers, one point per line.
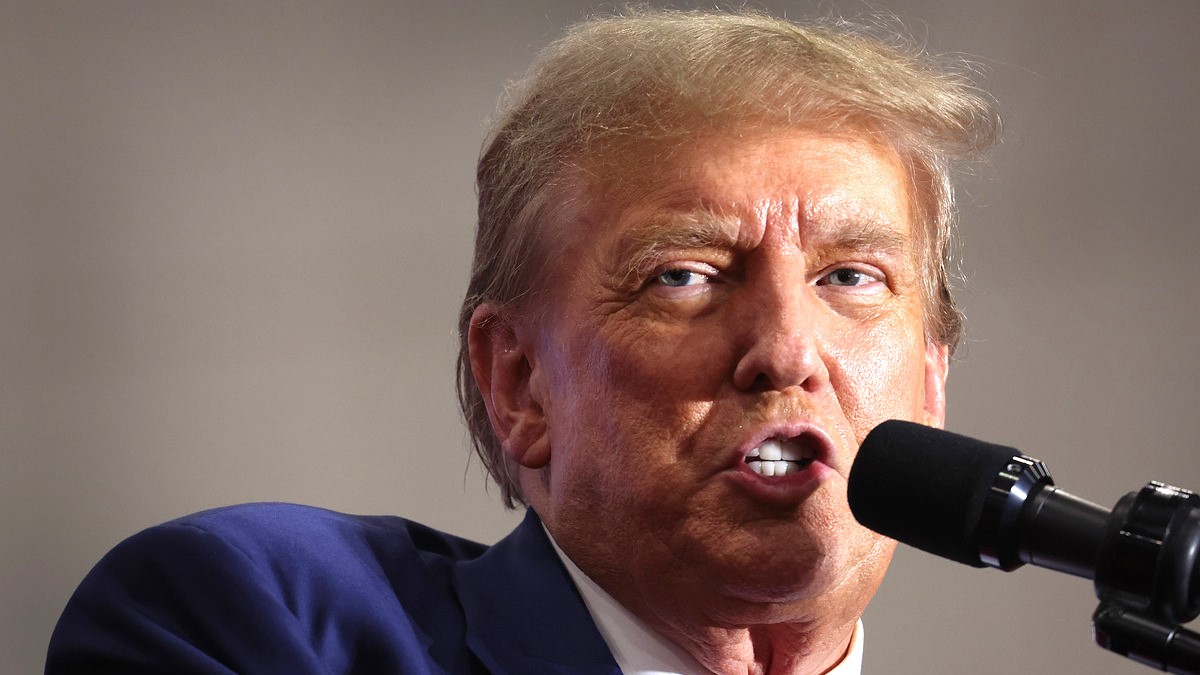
x=233, y=237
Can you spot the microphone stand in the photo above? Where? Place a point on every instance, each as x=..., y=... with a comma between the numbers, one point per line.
x=1161, y=645
x=1148, y=579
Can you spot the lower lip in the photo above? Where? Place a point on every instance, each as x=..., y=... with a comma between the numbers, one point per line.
x=782, y=489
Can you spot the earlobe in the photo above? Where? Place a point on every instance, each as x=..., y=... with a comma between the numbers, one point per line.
x=937, y=367
x=505, y=370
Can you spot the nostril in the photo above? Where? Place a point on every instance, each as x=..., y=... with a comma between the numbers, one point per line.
x=757, y=375
x=760, y=383
x=775, y=361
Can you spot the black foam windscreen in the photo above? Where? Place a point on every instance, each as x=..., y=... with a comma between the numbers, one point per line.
x=925, y=487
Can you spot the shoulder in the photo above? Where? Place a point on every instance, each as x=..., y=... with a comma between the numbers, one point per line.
x=204, y=585
x=296, y=532
x=301, y=554
x=288, y=545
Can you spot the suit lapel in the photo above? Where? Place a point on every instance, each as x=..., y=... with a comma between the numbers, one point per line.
x=524, y=615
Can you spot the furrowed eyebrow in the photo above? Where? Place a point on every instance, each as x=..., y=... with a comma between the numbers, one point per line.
x=676, y=231
x=838, y=228
x=871, y=238
x=831, y=228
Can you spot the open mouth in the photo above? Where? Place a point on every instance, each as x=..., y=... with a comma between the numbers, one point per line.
x=780, y=457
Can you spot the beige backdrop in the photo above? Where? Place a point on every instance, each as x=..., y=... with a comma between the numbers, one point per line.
x=233, y=237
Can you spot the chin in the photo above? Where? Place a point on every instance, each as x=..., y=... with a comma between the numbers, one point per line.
x=806, y=569
x=801, y=580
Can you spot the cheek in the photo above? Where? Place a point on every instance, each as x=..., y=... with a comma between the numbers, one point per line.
x=622, y=408
x=880, y=375
x=631, y=393
x=660, y=369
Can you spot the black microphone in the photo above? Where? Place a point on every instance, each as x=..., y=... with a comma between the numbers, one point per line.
x=983, y=505
x=973, y=502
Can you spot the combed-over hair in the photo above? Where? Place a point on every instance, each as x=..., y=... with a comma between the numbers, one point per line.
x=654, y=76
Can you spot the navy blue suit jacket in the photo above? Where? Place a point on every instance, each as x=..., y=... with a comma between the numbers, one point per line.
x=278, y=588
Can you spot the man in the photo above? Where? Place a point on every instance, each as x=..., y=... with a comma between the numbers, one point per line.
x=711, y=257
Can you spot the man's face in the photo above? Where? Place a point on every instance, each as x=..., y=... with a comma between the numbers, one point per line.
x=754, y=295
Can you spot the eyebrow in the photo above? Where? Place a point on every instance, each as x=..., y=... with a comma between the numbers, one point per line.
x=852, y=227
x=829, y=228
x=862, y=236
x=677, y=230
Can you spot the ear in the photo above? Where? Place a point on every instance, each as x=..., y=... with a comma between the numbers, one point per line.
x=937, y=367
x=506, y=372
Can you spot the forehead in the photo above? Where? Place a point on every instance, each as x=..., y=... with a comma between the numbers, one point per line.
x=807, y=183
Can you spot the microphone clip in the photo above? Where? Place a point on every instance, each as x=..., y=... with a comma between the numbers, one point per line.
x=1148, y=579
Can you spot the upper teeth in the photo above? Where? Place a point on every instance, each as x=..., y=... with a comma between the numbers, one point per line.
x=776, y=458
x=775, y=450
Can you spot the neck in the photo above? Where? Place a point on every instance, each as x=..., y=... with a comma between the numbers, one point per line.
x=729, y=634
x=784, y=648
x=778, y=647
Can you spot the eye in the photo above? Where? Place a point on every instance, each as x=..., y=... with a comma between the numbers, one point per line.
x=677, y=278
x=848, y=276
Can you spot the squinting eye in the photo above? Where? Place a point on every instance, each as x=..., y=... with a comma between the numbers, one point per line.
x=847, y=276
x=676, y=278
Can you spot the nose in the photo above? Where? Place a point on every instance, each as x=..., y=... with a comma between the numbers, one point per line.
x=778, y=320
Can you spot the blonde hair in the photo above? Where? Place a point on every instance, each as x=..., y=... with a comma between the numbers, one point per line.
x=611, y=84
